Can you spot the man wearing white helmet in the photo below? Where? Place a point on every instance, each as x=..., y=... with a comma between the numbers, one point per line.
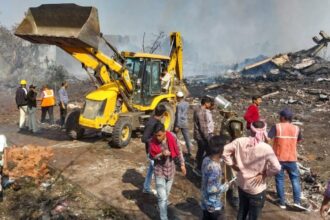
x=181, y=120
x=21, y=102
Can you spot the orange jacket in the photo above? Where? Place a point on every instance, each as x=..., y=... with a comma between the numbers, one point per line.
x=285, y=142
x=48, y=98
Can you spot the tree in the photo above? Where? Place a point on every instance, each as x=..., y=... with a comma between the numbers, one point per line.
x=155, y=43
x=56, y=74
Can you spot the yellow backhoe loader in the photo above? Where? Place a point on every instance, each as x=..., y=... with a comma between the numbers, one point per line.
x=129, y=85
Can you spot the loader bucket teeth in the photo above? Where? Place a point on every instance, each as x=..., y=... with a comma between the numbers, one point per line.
x=66, y=25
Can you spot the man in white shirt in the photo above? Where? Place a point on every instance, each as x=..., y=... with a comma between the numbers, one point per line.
x=165, y=81
x=3, y=145
x=210, y=122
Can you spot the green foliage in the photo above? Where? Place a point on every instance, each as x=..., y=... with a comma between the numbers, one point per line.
x=56, y=74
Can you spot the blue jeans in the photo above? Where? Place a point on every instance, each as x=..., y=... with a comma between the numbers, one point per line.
x=185, y=134
x=163, y=187
x=32, y=121
x=292, y=169
x=150, y=171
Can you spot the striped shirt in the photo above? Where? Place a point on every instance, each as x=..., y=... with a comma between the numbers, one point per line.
x=201, y=132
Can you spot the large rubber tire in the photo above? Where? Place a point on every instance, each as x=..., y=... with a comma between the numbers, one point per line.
x=122, y=132
x=169, y=116
x=73, y=129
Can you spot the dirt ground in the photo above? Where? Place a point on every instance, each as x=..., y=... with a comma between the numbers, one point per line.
x=106, y=183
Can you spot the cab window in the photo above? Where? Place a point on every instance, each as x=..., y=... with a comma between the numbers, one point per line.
x=155, y=78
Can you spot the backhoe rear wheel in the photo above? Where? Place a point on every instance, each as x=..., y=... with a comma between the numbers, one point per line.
x=122, y=132
x=73, y=129
x=168, y=117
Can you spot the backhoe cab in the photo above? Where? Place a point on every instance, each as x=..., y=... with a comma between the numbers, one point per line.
x=129, y=85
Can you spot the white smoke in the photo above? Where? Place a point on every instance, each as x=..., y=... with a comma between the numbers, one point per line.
x=219, y=31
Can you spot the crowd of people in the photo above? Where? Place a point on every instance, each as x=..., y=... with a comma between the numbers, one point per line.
x=27, y=102
x=226, y=162
x=249, y=159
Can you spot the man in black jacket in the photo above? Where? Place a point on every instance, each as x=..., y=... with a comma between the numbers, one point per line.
x=147, y=135
x=32, y=108
x=21, y=102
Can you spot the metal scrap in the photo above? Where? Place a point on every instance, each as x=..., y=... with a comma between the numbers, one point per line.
x=270, y=94
x=304, y=63
x=213, y=86
x=322, y=80
x=323, y=97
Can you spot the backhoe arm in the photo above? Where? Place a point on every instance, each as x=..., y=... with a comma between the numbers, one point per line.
x=176, y=63
x=76, y=30
x=101, y=64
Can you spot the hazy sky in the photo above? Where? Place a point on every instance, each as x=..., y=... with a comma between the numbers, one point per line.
x=221, y=30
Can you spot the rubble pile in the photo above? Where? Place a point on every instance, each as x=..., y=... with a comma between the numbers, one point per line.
x=28, y=161
x=60, y=201
x=299, y=81
x=308, y=97
x=292, y=65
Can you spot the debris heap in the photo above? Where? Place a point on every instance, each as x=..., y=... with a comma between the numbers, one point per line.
x=292, y=65
x=27, y=161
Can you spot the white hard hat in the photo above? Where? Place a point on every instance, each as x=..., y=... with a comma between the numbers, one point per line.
x=179, y=94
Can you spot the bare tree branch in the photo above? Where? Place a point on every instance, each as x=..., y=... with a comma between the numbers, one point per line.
x=157, y=42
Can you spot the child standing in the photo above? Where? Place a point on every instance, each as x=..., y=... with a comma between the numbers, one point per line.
x=211, y=181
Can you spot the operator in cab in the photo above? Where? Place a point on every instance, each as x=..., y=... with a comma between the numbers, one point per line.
x=165, y=80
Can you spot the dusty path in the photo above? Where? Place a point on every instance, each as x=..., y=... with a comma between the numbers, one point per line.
x=115, y=176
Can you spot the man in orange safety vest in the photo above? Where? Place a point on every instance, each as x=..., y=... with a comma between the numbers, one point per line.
x=47, y=104
x=286, y=136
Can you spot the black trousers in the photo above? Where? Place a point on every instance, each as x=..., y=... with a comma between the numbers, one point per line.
x=216, y=215
x=50, y=111
x=250, y=206
x=201, y=149
x=63, y=113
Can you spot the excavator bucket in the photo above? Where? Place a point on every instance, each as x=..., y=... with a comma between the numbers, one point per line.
x=64, y=25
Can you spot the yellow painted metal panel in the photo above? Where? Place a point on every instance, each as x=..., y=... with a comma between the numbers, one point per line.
x=155, y=102
x=127, y=54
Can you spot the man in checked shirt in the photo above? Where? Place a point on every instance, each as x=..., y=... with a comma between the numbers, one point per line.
x=201, y=131
x=164, y=150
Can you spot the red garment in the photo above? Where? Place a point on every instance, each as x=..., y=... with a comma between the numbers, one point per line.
x=156, y=147
x=251, y=115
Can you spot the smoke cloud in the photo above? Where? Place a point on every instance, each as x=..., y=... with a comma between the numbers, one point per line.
x=220, y=31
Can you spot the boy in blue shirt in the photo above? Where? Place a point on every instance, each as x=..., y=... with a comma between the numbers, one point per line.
x=211, y=181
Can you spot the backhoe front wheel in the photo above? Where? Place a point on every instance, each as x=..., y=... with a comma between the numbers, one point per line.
x=73, y=129
x=168, y=117
x=122, y=132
